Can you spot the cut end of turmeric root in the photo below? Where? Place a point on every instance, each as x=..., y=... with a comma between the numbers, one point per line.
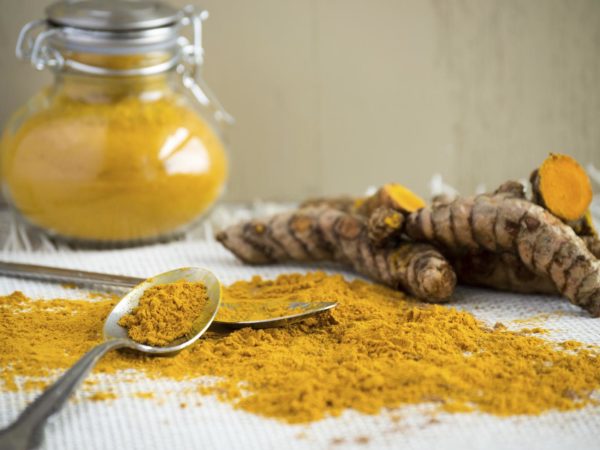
x=393, y=196
x=562, y=186
x=406, y=200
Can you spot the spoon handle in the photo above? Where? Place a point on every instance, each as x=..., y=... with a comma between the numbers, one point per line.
x=47, y=273
x=27, y=431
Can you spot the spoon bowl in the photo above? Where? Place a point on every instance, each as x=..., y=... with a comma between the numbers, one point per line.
x=112, y=329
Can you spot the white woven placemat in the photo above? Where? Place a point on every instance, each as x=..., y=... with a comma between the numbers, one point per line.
x=134, y=423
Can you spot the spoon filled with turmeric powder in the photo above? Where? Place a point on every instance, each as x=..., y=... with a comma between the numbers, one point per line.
x=161, y=315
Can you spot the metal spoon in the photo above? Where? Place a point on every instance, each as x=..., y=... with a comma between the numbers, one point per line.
x=298, y=310
x=27, y=431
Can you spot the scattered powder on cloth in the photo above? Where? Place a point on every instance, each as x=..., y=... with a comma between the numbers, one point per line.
x=165, y=312
x=377, y=349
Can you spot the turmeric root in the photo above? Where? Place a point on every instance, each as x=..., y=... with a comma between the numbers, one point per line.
x=584, y=226
x=593, y=245
x=385, y=226
x=327, y=234
x=480, y=268
x=504, y=272
x=384, y=210
x=506, y=222
x=562, y=187
x=392, y=195
x=585, y=229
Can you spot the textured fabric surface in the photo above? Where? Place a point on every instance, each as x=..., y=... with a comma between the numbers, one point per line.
x=160, y=423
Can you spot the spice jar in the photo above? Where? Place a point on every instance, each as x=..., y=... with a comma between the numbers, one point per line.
x=125, y=145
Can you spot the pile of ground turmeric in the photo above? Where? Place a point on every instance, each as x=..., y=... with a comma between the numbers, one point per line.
x=377, y=349
x=166, y=312
x=111, y=160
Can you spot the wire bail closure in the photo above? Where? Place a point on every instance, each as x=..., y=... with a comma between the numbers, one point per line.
x=193, y=61
x=34, y=46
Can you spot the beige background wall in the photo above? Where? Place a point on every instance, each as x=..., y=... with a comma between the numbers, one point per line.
x=332, y=96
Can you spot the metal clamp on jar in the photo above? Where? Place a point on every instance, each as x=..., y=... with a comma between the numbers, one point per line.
x=125, y=145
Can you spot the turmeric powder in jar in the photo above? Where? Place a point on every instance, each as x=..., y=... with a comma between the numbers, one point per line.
x=123, y=146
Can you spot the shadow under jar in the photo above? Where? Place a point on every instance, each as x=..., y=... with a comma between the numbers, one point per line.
x=124, y=146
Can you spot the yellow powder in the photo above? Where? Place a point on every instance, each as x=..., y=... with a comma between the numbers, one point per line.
x=393, y=221
x=539, y=318
x=102, y=396
x=535, y=330
x=101, y=160
x=144, y=395
x=376, y=350
x=165, y=312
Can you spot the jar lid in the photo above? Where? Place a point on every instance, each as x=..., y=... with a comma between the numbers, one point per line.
x=112, y=27
x=112, y=15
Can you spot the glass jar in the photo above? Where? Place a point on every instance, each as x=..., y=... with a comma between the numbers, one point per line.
x=125, y=145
